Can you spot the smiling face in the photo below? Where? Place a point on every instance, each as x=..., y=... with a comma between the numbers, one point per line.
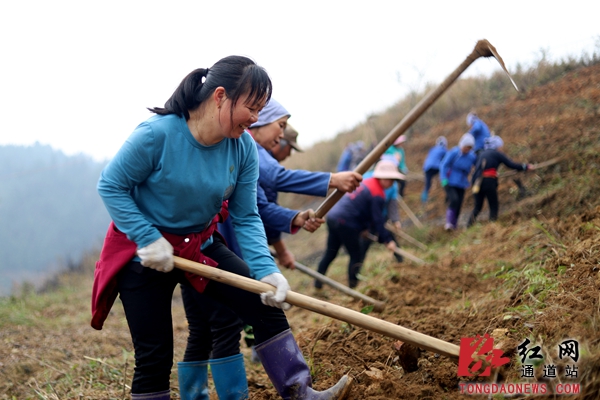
x=245, y=113
x=269, y=135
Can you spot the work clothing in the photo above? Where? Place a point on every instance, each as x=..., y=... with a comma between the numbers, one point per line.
x=352, y=155
x=193, y=380
x=348, y=218
x=274, y=178
x=431, y=167
x=486, y=169
x=390, y=211
x=480, y=132
x=151, y=186
x=287, y=369
x=164, y=183
x=455, y=169
x=146, y=296
x=229, y=375
x=400, y=156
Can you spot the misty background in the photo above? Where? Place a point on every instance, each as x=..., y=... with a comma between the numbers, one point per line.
x=50, y=211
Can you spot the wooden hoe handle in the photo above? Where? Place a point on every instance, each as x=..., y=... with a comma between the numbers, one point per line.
x=322, y=307
x=482, y=49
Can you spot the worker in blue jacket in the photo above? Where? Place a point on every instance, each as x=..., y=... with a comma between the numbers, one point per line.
x=355, y=213
x=479, y=130
x=274, y=178
x=431, y=166
x=454, y=174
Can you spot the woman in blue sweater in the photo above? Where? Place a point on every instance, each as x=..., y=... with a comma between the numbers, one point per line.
x=165, y=190
x=454, y=174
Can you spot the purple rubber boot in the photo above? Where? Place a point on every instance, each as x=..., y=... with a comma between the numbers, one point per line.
x=284, y=363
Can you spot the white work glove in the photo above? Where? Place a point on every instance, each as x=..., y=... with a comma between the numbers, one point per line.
x=276, y=299
x=157, y=255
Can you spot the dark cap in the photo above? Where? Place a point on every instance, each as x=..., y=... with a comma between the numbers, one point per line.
x=290, y=134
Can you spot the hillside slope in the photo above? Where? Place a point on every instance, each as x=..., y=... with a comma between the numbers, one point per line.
x=534, y=274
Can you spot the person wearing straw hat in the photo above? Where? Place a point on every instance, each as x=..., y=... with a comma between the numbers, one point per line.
x=390, y=211
x=397, y=150
x=354, y=214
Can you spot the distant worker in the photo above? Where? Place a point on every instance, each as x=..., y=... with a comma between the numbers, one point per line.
x=454, y=174
x=397, y=150
x=352, y=155
x=390, y=212
x=485, y=177
x=355, y=213
x=431, y=166
x=479, y=130
x=283, y=150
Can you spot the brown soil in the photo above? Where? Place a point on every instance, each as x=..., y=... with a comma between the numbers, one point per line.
x=464, y=290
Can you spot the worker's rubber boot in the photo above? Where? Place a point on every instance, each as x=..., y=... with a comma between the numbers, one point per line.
x=424, y=196
x=450, y=219
x=193, y=380
x=164, y=395
x=229, y=376
x=284, y=363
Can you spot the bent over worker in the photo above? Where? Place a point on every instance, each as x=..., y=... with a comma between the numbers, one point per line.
x=355, y=213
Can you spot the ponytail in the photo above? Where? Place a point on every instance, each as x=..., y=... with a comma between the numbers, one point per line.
x=237, y=74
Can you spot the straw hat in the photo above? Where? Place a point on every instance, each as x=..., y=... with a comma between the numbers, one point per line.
x=386, y=169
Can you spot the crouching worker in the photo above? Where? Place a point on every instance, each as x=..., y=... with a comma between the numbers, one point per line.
x=165, y=191
x=355, y=213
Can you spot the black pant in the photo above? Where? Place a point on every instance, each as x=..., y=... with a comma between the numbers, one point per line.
x=489, y=191
x=455, y=196
x=429, y=175
x=401, y=186
x=146, y=295
x=341, y=235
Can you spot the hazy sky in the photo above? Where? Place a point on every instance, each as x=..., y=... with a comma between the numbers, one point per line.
x=78, y=75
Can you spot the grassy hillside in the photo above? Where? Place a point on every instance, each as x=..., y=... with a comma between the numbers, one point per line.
x=532, y=274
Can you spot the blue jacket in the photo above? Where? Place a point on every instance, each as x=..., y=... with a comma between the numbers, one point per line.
x=456, y=167
x=274, y=178
x=480, y=132
x=434, y=157
x=362, y=209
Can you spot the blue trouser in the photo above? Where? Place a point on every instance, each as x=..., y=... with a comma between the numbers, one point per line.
x=429, y=175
